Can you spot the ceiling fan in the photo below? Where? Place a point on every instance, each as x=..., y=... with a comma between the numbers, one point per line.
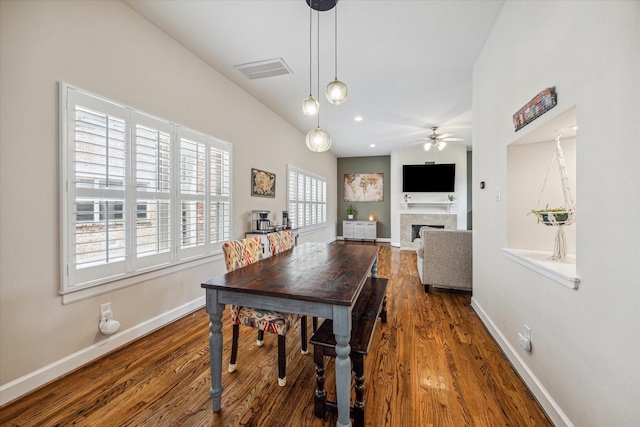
x=438, y=140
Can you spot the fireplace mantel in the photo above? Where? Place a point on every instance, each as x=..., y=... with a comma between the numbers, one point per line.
x=448, y=205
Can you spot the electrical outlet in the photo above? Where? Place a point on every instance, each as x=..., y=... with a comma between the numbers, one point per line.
x=526, y=331
x=105, y=307
x=524, y=338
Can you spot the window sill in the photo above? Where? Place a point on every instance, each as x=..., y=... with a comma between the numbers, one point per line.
x=76, y=295
x=561, y=272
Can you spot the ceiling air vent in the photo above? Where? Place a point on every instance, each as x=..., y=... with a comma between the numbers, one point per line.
x=261, y=69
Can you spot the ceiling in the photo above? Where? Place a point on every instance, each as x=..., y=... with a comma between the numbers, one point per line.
x=407, y=64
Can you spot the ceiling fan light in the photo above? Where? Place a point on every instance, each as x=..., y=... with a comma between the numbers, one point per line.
x=427, y=146
x=441, y=145
x=310, y=106
x=336, y=92
x=318, y=140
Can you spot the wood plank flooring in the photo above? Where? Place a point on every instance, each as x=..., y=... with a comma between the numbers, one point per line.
x=432, y=364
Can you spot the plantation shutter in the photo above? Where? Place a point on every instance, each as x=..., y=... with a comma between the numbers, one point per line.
x=192, y=193
x=139, y=193
x=219, y=192
x=153, y=237
x=96, y=210
x=306, y=194
x=292, y=187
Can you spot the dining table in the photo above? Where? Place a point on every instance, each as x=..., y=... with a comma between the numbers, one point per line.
x=313, y=279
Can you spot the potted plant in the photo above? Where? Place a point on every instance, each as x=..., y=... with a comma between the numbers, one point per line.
x=451, y=197
x=554, y=216
x=350, y=211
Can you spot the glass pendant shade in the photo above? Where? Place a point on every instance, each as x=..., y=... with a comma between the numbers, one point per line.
x=318, y=140
x=310, y=106
x=427, y=146
x=336, y=92
x=441, y=145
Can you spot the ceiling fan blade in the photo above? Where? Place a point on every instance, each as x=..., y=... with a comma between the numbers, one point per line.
x=453, y=139
x=446, y=135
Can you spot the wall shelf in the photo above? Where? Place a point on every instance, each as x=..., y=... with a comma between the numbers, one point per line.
x=448, y=205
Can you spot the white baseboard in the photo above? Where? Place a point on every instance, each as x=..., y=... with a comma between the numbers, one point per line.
x=553, y=410
x=42, y=376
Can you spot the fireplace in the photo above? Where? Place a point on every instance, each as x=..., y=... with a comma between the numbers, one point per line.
x=410, y=219
x=415, y=229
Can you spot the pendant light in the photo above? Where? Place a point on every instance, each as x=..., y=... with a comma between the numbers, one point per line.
x=318, y=140
x=336, y=91
x=310, y=106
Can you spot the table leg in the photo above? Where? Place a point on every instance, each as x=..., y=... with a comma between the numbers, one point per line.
x=215, y=311
x=359, y=404
x=374, y=268
x=342, y=333
x=320, y=396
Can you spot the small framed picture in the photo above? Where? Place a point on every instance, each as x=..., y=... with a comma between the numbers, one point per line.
x=263, y=184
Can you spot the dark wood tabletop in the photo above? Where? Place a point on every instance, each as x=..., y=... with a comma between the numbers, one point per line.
x=319, y=272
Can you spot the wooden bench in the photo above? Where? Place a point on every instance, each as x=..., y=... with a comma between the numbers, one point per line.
x=370, y=304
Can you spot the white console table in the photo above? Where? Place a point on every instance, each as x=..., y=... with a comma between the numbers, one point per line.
x=359, y=230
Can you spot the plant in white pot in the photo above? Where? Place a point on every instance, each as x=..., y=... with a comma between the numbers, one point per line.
x=554, y=216
x=350, y=211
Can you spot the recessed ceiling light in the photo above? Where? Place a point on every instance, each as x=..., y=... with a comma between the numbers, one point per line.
x=372, y=145
x=358, y=119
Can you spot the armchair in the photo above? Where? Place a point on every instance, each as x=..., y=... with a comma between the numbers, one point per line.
x=445, y=258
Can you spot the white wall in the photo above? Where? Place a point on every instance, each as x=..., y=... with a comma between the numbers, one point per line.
x=107, y=48
x=416, y=155
x=584, y=367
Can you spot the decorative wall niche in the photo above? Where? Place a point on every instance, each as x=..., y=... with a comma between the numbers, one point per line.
x=534, y=180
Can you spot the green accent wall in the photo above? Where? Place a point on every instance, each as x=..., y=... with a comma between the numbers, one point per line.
x=381, y=210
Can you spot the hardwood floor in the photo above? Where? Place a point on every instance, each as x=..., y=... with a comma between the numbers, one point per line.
x=432, y=364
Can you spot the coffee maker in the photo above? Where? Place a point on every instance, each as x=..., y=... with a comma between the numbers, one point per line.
x=286, y=222
x=260, y=221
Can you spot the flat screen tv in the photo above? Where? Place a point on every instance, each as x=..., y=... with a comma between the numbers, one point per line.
x=429, y=178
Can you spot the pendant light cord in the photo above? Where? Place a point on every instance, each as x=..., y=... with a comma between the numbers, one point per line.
x=336, y=40
x=310, y=48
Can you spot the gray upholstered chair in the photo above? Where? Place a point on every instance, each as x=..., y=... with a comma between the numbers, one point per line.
x=445, y=258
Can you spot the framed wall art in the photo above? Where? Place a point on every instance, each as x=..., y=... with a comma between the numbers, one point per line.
x=363, y=187
x=540, y=104
x=263, y=184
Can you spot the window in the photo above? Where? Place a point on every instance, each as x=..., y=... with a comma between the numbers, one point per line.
x=306, y=198
x=140, y=193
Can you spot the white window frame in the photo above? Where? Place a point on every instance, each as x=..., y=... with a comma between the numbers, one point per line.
x=306, y=199
x=137, y=264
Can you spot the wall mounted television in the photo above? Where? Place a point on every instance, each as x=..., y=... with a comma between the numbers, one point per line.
x=429, y=178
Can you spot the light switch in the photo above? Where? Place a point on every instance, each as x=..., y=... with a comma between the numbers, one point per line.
x=498, y=198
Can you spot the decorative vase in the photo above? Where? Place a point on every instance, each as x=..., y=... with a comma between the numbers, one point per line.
x=350, y=216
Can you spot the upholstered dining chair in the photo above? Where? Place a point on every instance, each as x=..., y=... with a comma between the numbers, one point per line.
x=241, y=253
x=281, y=241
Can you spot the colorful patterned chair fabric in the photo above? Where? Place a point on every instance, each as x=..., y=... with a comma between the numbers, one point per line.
x=280, y=241
x=241, y=253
